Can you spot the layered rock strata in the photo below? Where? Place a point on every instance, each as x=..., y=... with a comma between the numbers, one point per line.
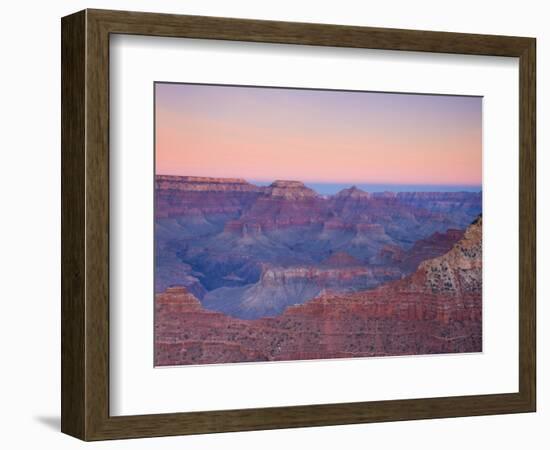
x=437, y=309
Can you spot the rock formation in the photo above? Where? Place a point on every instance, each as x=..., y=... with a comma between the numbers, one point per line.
x=437, y=309
x=218, y=237
x=280, y=287
x=290, y=190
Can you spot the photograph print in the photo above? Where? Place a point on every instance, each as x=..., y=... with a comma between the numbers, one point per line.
x=308, y=224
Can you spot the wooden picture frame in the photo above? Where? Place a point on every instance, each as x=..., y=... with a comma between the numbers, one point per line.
x=85, y=224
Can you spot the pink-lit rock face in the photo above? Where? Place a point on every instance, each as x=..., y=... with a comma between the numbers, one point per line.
x=219, y=236
x=290, y=190
x=436, y=309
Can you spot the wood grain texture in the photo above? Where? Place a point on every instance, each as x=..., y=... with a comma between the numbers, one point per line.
x=151, y=24
x=85, y=224
x=97, y=226
x=73, y=227
x=527, y=224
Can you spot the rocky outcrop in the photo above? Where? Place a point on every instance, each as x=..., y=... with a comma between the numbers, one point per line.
x=424, y=249
x=185, y=333
x=213, y=233
x=435, y=310
x=458, y=272
x=290, y=190
x=202, y=196
x=280, y=287
x=176, y=299
x=353, y=193
x=203, y=184
x=182, y=195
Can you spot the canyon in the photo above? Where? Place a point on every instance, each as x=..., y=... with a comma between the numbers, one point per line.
x=251, y=252
x=435, y=309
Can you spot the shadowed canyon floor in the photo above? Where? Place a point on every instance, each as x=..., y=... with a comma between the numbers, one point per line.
x=264, y=273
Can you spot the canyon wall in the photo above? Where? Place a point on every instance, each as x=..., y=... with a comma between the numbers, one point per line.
x=436, y=309
x=219, y=237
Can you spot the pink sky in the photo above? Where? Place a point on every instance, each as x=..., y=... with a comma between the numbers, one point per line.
x=317, y=136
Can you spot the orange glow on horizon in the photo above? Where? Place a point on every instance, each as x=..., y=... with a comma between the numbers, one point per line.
x=254, y=147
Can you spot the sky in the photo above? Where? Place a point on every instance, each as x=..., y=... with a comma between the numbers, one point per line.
x=318, y=136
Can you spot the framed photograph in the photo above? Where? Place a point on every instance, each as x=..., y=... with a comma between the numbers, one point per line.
x=273, y=225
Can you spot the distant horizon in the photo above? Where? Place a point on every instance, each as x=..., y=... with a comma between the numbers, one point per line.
x=333, y=188
x=318, y=136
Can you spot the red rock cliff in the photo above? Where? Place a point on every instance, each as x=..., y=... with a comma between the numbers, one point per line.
x=435, y=310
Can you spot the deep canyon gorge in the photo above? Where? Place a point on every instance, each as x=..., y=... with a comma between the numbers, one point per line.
x=278, y=272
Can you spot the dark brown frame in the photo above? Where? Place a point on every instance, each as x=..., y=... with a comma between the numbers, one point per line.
x=85, y=224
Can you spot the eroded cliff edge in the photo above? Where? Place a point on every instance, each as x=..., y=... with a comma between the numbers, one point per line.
x=437, y=309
